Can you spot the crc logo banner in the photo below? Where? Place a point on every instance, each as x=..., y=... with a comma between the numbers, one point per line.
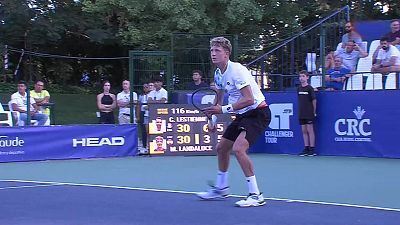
x=67, y=142
x=354, y=129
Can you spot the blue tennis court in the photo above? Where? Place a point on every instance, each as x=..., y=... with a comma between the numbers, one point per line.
x=160, y=190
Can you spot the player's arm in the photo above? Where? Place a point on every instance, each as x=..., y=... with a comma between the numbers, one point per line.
x=247, y=98
x=219, y=100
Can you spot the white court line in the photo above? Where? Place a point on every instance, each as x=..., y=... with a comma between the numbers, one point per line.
x=191, y=192
x=29, y=186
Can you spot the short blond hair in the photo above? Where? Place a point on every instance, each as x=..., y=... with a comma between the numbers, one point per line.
x=221, y=42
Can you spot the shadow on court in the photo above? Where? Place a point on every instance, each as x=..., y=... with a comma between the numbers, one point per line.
x=69, y=204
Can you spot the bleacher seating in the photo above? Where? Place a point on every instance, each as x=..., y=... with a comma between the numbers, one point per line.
x=316, y=81
x=390, y=82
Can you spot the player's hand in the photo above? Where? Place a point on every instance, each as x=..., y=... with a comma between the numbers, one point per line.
x=215, y=109
x=212, y=124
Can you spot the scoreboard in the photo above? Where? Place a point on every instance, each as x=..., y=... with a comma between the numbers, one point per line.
x=181, y=129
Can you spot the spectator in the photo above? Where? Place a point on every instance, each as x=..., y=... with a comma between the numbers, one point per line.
x=124, y=102
x=42, y=99
x=350, y=55
x=144, y=113
x=159, y=94
x=388, y=58
x=336, y=76
x=19, y=104
x=394, y=35
x=351, y=35
x=106, y=103
x=307, y=113
x=197, y=81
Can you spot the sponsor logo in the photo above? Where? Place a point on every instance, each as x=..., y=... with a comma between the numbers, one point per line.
x=96, y=142
x=5, y=141
x=280, y=123
x=354, y=129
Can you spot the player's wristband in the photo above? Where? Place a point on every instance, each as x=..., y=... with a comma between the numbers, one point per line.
x=227, y=108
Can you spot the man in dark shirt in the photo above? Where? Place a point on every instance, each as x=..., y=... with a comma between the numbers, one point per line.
x=197, y=81
x=307, y=113
x=394, y=35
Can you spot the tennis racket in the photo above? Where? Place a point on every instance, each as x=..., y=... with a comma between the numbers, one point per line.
x=203, y=98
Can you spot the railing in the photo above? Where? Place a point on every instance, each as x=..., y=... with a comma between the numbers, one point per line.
x=290, y=56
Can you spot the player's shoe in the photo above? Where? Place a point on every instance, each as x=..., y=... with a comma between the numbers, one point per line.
x=252, y=200
x=214, y=193
x=311, y=152
x=305, y=152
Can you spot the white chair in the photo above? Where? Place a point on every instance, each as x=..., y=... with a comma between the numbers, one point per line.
x=16, y=115
x=310, y=62
x=364, y=64
x=8, y=114
x=374, y=81
x=355, y=82
x=316, y=81
x=364, y=45
x=391, y=81
x=373, y=46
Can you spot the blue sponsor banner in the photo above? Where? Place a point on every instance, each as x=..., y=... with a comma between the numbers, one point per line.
x=359, y=123
x=67, y=142
x=349, y=123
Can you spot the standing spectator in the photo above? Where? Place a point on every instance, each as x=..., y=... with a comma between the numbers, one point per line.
x=19, y=104
x=388, y=58
x=394, y=35
x=159, y=94
x=350, y=55
x=144, y=113
x=351, y=35
x=124, y=102
x=42, y=99
x=307, y=113
x=106, y=103
x=197, y=81
x=336, y=76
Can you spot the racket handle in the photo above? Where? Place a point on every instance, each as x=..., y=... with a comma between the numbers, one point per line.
x=213, y=122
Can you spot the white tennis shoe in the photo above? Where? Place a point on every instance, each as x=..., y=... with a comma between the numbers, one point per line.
x=251, y=200
x=214, y=193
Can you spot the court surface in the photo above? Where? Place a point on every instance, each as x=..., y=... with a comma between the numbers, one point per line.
x=160, y=190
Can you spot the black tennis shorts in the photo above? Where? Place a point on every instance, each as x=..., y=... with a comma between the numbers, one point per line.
x=254, y=122
x=306, y=121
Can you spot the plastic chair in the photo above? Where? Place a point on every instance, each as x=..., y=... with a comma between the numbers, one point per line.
x=355, y=82
x=391, y=81
x=316, y=81
x=9, y=120
x=374, y=81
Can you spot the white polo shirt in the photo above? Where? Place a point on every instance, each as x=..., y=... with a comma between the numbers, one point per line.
x=235, y=78
x=21, y=101
x=125, y=97
x=158, y=95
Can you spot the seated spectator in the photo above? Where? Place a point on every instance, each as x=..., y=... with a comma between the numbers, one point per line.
x=124, y=102
x=350, y=55
x=388, y=58
x=19, y=104
x=42, y=99
x=393, y=37
x=159, y=94
x=336, y=76
x=106, y=103
x=351, y=35
x=197, y=81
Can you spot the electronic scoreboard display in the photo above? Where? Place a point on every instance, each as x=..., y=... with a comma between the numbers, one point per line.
x=181, y=129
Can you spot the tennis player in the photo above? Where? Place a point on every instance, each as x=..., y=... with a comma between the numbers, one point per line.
x=252, y=117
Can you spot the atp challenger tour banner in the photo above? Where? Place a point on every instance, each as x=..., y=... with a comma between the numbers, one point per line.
x=348, y=123
x=67, y=142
